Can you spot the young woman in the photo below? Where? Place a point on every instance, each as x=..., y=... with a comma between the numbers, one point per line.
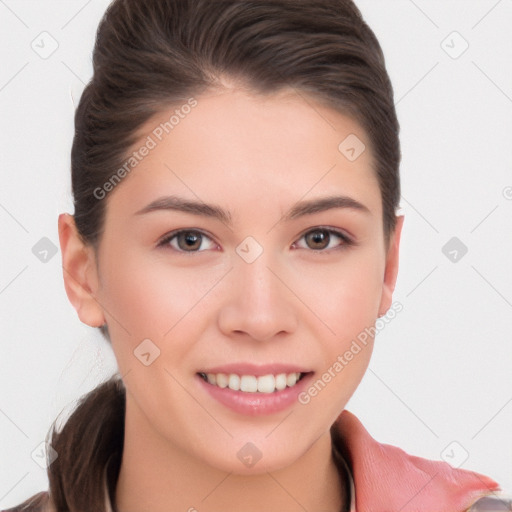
x=235, y=237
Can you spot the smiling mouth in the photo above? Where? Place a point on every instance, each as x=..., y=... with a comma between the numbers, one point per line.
x=252, y=384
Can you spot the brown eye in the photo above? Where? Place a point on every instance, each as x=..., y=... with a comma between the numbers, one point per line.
x=320, y=239
x=188, y=241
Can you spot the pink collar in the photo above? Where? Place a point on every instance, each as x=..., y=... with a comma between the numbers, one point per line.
x=387, y=479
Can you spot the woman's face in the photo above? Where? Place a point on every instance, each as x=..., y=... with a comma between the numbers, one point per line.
x=247, y=243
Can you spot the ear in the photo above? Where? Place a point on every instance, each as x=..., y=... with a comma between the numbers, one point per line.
x=391, y=270
x=79, y=272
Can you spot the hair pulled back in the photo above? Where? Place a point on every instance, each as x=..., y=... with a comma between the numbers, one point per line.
x=153, y=54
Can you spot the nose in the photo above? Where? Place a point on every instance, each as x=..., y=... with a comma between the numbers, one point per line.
x=258, y=302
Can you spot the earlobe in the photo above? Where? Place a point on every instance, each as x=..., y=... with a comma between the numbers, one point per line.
x=391, y=271
x=79, y=272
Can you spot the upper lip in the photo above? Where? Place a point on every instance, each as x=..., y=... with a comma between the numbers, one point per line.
x=256, y=370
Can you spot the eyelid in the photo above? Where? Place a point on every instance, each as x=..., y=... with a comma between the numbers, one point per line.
x=164, y=240
x=348, y=240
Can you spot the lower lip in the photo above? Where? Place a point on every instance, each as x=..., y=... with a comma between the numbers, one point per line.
x=256, y=404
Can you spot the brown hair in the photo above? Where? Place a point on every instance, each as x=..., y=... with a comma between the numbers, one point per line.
x=153, y=54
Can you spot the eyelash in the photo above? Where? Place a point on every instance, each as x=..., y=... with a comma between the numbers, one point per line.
x=346, y=241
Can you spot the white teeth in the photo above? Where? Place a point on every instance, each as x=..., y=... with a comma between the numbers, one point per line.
x=281, y=381
x=234, y=382
x=249, y=383
x=266, y=384
x=291, y=379
x=222, y=380
x=252, y=384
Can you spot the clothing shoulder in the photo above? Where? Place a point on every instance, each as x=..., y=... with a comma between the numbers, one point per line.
x=40, y=502
x=497, y=502
x=387, y=478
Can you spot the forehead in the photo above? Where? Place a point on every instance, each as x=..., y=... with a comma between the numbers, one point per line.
x=253, y=150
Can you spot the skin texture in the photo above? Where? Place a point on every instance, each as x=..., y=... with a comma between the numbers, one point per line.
x=255, y=157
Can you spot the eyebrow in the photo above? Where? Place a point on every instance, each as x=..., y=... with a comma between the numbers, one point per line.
x=300, y=209
x=325, y=203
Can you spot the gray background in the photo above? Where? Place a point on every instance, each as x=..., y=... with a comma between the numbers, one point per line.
x=439, y=384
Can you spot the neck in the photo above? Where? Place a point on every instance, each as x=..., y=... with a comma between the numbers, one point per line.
x=158, y=477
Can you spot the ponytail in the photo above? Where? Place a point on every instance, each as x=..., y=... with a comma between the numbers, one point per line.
x=89, y=448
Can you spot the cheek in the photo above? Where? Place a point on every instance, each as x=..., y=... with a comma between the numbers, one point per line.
x=345, y=299
x=345, y=295
x=151, y=298
x=349, y=307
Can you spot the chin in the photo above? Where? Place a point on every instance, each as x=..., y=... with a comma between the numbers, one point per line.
x=241, y=456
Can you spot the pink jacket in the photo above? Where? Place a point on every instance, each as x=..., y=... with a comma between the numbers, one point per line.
x=387, y=479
